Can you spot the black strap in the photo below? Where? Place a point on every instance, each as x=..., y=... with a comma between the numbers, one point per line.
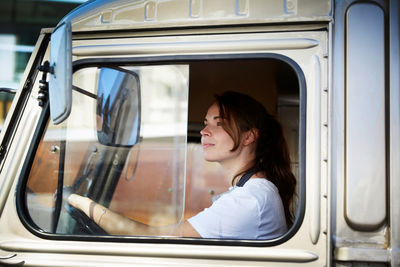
x=244, y=178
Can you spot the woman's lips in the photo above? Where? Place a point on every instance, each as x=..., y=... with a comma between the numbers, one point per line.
x=207, y=145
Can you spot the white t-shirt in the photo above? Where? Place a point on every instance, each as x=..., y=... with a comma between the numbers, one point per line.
x=254, y=211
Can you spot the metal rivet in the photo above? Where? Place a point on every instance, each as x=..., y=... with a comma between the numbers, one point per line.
x=54, y=149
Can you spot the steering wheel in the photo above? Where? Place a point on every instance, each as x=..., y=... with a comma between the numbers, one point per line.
x=84, y=224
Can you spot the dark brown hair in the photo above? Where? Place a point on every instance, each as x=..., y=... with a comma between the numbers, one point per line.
x=242, y=113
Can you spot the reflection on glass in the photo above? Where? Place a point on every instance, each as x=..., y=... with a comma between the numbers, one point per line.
x=118, y=107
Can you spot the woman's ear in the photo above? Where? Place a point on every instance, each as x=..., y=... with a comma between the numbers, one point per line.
x=250, y=137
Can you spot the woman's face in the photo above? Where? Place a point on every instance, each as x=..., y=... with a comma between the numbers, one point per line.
x=217, y=143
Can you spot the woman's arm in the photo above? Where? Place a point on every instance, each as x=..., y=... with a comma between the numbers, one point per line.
x=116, y=224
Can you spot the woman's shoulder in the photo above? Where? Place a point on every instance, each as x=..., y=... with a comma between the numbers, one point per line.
x=260, y=184
x=263, y=190
x=259, y=191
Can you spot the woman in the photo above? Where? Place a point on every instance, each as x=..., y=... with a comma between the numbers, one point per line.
x=249, y=144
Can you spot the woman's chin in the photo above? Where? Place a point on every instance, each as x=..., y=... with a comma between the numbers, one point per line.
x=210, y=158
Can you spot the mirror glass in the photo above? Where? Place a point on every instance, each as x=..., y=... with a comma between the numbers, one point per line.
x=60, y=83
x=118, y=107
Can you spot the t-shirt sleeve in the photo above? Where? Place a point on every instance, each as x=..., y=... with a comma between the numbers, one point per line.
x=233, y=216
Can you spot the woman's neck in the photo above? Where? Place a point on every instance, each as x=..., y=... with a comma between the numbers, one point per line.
x=233, y=168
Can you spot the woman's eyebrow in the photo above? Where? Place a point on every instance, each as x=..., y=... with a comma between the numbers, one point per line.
x=214, y=118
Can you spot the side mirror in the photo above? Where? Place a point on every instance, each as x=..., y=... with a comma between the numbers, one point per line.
x=118, y=107
x=60, y=83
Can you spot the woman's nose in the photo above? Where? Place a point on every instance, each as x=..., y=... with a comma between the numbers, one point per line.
x=205, y=131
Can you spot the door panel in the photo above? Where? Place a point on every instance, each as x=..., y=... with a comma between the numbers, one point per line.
x=305, y=243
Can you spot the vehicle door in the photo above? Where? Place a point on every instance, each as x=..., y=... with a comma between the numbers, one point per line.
x=160, y=177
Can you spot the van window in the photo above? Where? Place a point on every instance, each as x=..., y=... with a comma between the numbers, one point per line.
x=154, y=173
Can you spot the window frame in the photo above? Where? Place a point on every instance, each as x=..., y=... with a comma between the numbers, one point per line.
x=157, y=60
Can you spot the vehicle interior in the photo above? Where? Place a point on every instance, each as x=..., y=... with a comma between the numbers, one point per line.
x=161, y=179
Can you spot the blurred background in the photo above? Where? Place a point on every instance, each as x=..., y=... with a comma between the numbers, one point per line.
x=20, y=25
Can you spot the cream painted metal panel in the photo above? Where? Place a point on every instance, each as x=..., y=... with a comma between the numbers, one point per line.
x=188, y=46
x=5, y=184
x=17, y=239
x=345, y=238
x=103, y=15
x=15, y=158
x=315, y=160
x=168, y=251
x=394, y=16
x=365, y=204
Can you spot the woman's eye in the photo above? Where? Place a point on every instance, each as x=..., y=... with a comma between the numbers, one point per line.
x=219, y=123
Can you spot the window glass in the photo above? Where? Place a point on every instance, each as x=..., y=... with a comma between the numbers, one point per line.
x=161, y=177
x=144, y=182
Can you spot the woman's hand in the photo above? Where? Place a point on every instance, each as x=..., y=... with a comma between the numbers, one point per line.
x=93, y=210
x=80, y=203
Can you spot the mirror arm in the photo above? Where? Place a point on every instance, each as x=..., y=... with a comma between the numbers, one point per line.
x=44, y=84
x=82, y=91
x=8, y=90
